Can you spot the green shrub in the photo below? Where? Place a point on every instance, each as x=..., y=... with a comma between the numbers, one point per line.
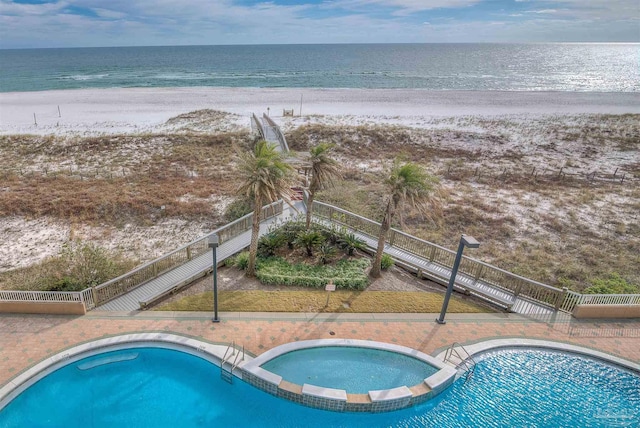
x=78, y=266
x=269, y=243
x=614, y=284
x=326, y=252
x=310, y=240
x=349, y=242
x=386, y=262
x=291, y=230
x=240, y=207
x=346, y=274
x=241, y=261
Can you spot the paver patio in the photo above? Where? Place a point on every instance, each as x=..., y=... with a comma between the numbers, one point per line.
x=28, y=339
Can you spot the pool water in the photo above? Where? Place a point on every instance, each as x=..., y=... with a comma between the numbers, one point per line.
x=356, y=370
x=164, y=388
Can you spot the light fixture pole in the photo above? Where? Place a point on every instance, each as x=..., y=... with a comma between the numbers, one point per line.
x=213, y=244
x=465, y=241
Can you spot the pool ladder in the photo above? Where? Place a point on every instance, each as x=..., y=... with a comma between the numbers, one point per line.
x=227, y=365
x=466, y=361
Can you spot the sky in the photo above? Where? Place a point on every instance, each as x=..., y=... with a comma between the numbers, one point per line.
x=91, y=23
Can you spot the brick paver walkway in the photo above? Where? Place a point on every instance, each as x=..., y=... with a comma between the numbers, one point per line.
x=27, y=339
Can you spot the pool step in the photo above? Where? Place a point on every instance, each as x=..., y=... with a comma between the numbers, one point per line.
x=226, y=373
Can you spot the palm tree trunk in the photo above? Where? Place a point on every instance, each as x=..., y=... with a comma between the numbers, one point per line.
x=255, y=232
x=382, y=238
x=310, y=208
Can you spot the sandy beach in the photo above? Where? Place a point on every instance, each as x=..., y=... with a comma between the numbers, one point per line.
x=139, y=110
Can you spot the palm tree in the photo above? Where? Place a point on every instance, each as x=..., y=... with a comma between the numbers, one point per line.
x=407, y=182
x=266, y=177
x=324, y=170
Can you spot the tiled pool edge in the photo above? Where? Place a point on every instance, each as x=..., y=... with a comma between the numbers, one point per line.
x=340, y=400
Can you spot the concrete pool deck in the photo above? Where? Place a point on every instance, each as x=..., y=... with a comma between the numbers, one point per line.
x=26, y=340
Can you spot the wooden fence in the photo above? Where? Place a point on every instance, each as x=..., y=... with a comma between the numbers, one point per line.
x=559, y=175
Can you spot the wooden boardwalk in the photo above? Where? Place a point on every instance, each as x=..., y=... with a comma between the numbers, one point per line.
x=201, y=265
x=191, y=270
x=463, y=282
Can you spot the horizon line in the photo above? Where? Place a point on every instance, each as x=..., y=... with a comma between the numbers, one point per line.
x=328, y=44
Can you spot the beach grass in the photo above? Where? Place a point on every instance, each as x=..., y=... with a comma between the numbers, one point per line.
x=524, y=186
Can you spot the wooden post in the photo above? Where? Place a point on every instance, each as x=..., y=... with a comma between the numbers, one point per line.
x=615, y=172
x=329, y=288
x=300, y=104
x=561, y=297
x=59, y=115
x=479, y=273
x=95, y=296
x=35, y=121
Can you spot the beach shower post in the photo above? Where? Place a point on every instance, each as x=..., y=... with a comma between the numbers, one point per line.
x=465, y=241
x=213, y=244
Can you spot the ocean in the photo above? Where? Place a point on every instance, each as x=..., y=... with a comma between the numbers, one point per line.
x=584, y=67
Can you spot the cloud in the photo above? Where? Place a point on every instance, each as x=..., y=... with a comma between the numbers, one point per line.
x=28, y=9
x=108, y=14
x=171, y=22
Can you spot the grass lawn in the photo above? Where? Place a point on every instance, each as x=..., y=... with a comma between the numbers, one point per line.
x=346, y=301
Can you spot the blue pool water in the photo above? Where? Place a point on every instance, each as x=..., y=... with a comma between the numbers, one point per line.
x=163, y=388
x=356, y=370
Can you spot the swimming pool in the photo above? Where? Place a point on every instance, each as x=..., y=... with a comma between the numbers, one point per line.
x=357, y=370
x=155, y=387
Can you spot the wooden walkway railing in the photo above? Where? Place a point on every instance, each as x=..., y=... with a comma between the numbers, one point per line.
x=256, y=126
x=118, y=286
x=282, y=141
x=518, y=286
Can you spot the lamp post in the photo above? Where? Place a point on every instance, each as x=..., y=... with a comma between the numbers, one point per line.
x=213, y=244
x=465, y=241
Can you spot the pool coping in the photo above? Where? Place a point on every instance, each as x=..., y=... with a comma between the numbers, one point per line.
x=339, y=399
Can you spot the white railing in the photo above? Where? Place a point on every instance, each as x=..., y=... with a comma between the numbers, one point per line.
x=278, y=133
x=609, y=299
x=256, y=125
x=40, y=296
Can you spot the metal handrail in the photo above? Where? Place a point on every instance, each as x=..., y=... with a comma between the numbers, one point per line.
x=469, y=368
x=236, y=362
x=232, y=347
